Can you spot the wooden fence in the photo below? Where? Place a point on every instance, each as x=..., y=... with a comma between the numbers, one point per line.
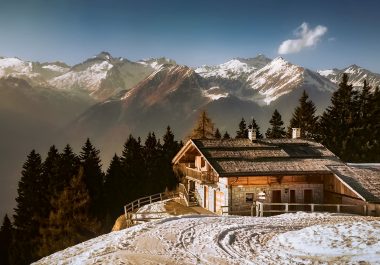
x=130, y=209
x=274, y=208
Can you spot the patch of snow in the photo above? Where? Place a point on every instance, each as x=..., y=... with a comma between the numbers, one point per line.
x=299, y=238
x=352, y=70
x=14, y=66
x=89, y=79
x=231, y=69
x=55, y=68
x=350, y=242
x=326, y=72
x=215, y=93
x=153, y=210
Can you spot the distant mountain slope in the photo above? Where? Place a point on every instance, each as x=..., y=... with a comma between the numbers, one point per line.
x=356, y=74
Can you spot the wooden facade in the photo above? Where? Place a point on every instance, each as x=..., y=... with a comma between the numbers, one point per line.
x=216, y=188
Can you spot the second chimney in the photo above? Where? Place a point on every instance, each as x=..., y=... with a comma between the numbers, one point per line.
x=251, y=134
x=296, y=133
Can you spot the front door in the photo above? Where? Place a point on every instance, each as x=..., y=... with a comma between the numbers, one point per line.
x=276, y=197
x=307, y=198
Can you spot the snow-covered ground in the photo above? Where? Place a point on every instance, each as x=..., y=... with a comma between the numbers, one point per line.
x=286, y=239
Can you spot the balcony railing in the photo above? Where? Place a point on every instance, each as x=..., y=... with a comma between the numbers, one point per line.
x=203, y=176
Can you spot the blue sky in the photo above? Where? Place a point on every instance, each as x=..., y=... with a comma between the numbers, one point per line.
x=191, y=32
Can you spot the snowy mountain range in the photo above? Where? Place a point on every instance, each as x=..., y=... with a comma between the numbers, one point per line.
x=107, y=98
x=357, y=75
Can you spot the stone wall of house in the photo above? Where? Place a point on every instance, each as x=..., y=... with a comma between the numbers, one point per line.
x=240, y=195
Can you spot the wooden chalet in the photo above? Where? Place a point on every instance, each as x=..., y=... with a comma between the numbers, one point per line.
x=228, y=176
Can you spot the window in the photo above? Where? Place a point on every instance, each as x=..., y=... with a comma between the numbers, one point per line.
x=249, y=197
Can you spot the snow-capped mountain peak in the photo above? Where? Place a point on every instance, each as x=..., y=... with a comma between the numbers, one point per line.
x=277, y=78
x=230, y=69
x=11, y=65
x=103, y=56
x=156, y=63
x=236, y=68
x=356, y=75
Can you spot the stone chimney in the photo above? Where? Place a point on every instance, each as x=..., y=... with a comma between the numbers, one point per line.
x=296, y=133
x=251, y=133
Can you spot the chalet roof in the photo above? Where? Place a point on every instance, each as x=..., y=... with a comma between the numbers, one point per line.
x=364, y=180
x=234, y=157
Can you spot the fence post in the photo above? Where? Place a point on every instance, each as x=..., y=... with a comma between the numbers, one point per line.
x=286, y=207
x=312, y=207
x=365, y=209
x=138, y=203
x=257, y=209
x=338, y=208
x=150, y=199
x=261, y=210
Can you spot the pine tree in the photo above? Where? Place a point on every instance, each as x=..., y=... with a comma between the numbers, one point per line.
x=304, y=117
x=116, y=189
x=226, y=136
x=337, y=123
x=204, y=127
x=50, y=173
x=217, y=134
x=133, y=167
x=256, y=128
x=28, y=212
x=360, y=139
x=51, y=170
x=68, y=167
x=242, y=132
x=277, y=130
x=93, y=177
x=5, y=240
x=170, y=148
x=70, y=221
x=153, y=182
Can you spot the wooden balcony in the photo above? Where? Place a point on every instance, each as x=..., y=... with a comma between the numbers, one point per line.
x=206, y=177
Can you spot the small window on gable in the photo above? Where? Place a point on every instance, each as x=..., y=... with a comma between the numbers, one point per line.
x=249, y=197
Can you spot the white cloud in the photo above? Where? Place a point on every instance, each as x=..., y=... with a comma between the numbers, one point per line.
x=306, y=38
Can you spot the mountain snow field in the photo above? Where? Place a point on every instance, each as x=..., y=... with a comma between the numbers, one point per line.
x=300, y=238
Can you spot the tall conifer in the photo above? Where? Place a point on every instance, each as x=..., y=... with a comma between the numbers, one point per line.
x=277, y=130
x=338, y=121
x=116, y=188
x=304, y=117
x=93, y=177
x=28, y=212
x=242, y=132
